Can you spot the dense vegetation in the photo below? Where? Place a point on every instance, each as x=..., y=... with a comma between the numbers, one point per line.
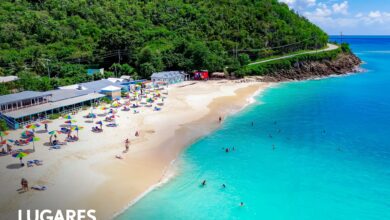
x=48, y=43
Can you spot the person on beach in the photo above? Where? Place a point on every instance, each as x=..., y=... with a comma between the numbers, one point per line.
x=136, y=133
x=21, y=161
x=24, y=184
x=204, y=183
x=220, y=119
x=46, y=127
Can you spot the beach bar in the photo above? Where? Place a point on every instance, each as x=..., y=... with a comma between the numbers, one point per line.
x=23, y=108
x=169, y=77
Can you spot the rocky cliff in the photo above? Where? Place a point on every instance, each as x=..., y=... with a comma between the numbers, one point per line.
x=344, y=63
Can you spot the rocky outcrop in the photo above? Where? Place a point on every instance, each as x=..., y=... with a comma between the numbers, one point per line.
x=344, y=63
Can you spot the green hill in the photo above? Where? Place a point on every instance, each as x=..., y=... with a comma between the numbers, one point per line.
x=63, y=38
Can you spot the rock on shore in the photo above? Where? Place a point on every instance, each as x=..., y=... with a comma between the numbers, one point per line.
x=343, y=64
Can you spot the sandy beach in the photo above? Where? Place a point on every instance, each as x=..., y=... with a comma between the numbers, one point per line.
x=86, y=174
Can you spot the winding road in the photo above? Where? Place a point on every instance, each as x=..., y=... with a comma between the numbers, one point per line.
x=328, y=48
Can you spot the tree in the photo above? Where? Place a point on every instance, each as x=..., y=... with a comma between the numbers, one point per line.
x=244, y=59
x=3, y=125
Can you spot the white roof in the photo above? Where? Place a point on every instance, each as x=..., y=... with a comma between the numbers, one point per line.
x=111, y=88
x=126, y=77
x=114, y=80
x=4, y=79
x=74, y=86
x=51, y=105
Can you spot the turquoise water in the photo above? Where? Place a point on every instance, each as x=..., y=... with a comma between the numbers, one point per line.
x=331, y=158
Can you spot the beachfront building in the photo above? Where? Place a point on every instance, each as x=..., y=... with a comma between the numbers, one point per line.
x=112, y=92
x=169, y=77
x=23, y=108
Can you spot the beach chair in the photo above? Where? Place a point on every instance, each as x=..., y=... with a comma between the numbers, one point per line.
x=38, y=162
x=55, y=147
x=30, y=163
x=39, y=187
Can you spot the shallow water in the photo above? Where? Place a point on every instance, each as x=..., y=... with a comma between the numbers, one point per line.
x=331, y=156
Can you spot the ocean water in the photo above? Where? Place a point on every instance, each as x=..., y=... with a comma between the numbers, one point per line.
x=331, y=156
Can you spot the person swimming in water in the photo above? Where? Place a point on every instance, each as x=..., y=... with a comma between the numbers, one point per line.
x=227, y=150
x=223, y=186
x=241, y=204
x=204, y=183
x=273, y=147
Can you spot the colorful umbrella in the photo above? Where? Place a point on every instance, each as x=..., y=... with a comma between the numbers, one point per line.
x=33, y=139
x=27, y=133
x=3, y=133
x=33, y=126
x=70, y=121
x=20, y=155
x=54, y=132
x=46, y=122
x=77, y=128
x=3, y=142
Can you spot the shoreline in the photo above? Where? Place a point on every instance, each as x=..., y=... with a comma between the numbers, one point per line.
x=86, y=174
x=208, y=122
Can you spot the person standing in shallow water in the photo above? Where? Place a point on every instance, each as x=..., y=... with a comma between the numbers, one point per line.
x=220, y=119
x=204, y=183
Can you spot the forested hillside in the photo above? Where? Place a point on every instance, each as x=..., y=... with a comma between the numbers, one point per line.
x=60, y=39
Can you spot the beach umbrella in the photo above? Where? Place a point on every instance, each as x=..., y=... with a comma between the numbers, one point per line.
x=3, y=142
x=54, y=132
x=70, y=121
x=20, y=154
x=77, y=129
x=3, y=134
x=46, y=122
x=27, y=133
x=33, y=126
x=33, y=139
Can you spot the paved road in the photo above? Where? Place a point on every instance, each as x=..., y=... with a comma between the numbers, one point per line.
x=329, y=48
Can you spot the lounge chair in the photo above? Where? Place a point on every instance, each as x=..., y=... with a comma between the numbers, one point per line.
x=112, y=125
x=96, y=130
x=55, y=147
x=30, y=163
x=39, y=187
x=38, y=162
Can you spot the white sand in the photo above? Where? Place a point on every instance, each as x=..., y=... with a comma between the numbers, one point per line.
x=86, y=174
